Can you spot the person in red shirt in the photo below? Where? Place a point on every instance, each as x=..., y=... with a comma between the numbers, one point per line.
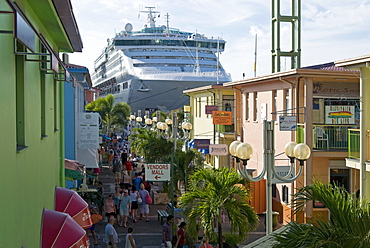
x=181, y=235
x=128, y=165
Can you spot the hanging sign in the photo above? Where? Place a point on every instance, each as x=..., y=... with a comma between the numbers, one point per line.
x=218, y=150
x=157, y=172
x=222, y=117
x=288, y=123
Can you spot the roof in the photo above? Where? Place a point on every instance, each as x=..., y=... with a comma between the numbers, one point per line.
x=267, y=241
x=320, y=70
x=207, y=87
x=327, y=66
x=356, y=62
x=80, y=73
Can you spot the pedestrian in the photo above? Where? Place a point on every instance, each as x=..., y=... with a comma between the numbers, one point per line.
x=117, y=168
x=92, y=228
x=135, y=196
x=224, y=244
x=100, y=198
x=128, y=165
x=109, y=207
x=124, y=208
x=138, y=180
x=111, y=236
x=144, y=207
x=117, y=198
x=205, y=243
x=167, y=232
x=130, y=241
x=110, y=159
x=181, y=235
x=126, y=179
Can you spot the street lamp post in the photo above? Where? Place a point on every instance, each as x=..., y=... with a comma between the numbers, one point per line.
x=164, y=131
x=244, y=151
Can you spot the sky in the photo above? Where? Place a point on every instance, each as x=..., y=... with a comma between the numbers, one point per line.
x=331, y=29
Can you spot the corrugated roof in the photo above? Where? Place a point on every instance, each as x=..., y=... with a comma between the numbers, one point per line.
x=326, y=67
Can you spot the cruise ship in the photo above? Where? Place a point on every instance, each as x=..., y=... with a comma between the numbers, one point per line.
x=149, y=69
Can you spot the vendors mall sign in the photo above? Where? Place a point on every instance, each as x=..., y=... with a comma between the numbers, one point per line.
x=157, y=172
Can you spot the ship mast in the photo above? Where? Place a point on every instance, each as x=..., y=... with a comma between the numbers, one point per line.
x=168, y=23
x=151, y=17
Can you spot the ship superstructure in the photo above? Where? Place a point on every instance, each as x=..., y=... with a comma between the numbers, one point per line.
x=150, y=68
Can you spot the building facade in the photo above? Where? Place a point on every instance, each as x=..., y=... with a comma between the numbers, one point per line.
x=32, y=34
x=203, y=101
x=324, y=100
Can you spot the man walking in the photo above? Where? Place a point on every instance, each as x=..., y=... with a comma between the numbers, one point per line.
x=167, y=232
x=111, y=236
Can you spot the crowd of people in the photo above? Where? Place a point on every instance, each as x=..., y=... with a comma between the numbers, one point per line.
x=129, y=202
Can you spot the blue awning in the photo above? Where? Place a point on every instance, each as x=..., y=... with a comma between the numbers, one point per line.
x=104, y=136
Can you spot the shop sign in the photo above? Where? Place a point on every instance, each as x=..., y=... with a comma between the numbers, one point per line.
x=339, y=114
x=218, y=150
x=201, y=143
x=288, y=123
x=222, y=117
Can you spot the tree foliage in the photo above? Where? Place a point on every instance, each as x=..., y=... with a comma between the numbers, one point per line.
x=212, y=192
x=146, y=143
x=347, y=226
x=110, y=113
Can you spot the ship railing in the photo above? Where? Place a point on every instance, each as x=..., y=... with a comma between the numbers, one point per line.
x=195, y=74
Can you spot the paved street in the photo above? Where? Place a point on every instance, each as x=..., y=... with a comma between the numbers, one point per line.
x=146, y=234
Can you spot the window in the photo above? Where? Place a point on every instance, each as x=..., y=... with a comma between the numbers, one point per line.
x=285, y=194
x=255, y=108
x=43, y=94
x=246, y=106
x=55, y=110
x=287, y=100
x=198, y=107
x=274, y=104
x=19, y=95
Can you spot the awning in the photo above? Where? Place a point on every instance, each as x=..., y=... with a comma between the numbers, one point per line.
x=68, y=201
x=104, y=136
x=88, y=157
x=60, y=230
x=73, y=165
x=73, y=170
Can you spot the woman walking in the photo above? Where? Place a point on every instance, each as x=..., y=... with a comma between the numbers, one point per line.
x=144, y=207
x=117, y=198
x=109, y=209
x=181, y=235
x=134, y=194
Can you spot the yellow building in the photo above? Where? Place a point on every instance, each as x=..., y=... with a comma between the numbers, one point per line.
x=203, y=101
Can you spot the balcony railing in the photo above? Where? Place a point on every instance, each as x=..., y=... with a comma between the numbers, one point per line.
x=331, y=137
x=353, y=143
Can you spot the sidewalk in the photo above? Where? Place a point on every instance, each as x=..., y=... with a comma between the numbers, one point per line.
x=147, y=234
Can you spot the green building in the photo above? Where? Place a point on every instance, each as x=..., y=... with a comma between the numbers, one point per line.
x=32, y=34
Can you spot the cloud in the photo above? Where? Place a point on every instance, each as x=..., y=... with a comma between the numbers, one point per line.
x=331, y=30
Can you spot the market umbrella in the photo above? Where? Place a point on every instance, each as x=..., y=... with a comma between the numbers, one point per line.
x=68, y=201
x=59, y=230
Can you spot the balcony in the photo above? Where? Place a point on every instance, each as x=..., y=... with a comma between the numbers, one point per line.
x=332, y=137
x=354, y=143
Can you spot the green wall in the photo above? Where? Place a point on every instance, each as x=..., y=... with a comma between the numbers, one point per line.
x=28, y=178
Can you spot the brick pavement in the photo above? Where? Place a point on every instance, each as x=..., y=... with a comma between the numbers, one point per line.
x=146, y=234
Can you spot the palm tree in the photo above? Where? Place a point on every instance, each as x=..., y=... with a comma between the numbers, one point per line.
x=186, y=163
x=110, y=113
x=147, y=144
x=348, y=224
x=212, y=192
